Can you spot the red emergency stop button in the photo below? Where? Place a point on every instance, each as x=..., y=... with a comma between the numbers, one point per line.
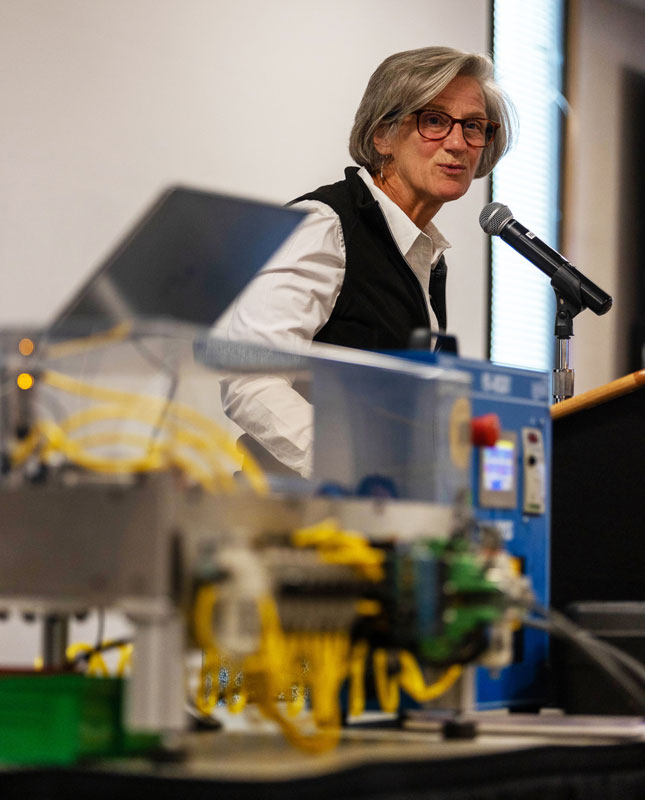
x=485, y=430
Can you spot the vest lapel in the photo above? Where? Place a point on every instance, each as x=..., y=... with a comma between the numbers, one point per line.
x=437, y=290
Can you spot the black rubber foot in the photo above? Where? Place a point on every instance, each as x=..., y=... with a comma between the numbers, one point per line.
x=459, y=729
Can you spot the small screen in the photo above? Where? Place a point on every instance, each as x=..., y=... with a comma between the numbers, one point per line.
x=498, y=474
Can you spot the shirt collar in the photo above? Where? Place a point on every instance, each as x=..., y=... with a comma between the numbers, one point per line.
x=404, y=231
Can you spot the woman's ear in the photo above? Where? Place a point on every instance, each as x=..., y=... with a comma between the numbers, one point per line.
x=382, y=142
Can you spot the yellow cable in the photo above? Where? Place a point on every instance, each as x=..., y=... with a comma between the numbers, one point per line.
x=319, y=742
x=73, y=346
x=125, y=659
x=203, y=607
x=159, y=456
x=26, y=447
x=106, y=438
x=94, y=392
x=267, y=664
x=298, y=700
x=165, y=450
x=233, y=705
x=96, y=663
x=293, y=677
x=412, y=680
x=58, y=441
x=72, y=650
x=160, y=406
x=274, y=670
x=335, y=546
x=387, y=687
x=206, y=698
x=329, y=668
x=125, y=653
x=357, y=661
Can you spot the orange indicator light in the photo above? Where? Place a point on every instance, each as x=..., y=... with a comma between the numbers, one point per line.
x=26, y=347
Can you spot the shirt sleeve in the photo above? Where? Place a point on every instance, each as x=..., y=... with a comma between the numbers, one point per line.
x=285, y=305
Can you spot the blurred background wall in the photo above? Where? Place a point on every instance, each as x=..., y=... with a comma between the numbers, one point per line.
x=604, y=202
x=105, y=103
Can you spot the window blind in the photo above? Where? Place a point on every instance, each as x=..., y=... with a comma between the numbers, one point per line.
x=528, y=55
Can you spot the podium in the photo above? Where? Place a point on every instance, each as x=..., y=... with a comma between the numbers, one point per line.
x=598, y=495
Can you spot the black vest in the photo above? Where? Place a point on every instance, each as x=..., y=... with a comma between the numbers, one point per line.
x=380, y=302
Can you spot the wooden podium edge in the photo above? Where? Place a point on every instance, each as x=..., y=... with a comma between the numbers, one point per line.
x=594, y=397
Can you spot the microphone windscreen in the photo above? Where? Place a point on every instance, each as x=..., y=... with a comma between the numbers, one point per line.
x=493, y=218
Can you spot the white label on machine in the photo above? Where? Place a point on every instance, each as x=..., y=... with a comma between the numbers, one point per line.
x=534, y=471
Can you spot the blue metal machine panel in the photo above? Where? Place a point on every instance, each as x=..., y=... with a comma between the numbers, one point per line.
x=521, y=399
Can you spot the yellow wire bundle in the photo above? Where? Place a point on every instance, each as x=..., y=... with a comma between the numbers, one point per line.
x=96, y=664
x=410, y=679
x=186, y=433
x=72, y=347
x=336, y=546
x=269, y=676
x=288, y=667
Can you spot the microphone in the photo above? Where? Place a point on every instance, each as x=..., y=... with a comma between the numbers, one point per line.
x=497, y=220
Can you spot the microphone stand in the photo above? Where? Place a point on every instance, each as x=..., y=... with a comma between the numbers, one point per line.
x=573, y=292
x=569, y=303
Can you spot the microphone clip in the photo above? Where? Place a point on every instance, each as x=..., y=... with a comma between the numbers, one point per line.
x=569, y=301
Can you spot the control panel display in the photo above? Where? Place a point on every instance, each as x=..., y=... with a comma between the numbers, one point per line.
x=498, y=473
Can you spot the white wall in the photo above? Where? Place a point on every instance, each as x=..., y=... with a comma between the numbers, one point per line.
x=605, y=37
x=105, y=102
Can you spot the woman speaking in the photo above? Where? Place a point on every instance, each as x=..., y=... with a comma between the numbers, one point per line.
x=365, y=268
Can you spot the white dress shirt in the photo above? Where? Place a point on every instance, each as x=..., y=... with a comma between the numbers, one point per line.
x=289, y=301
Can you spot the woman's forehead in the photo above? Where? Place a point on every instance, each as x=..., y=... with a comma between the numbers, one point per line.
x=464, y=92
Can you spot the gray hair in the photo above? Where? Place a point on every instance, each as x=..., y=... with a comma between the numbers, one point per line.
x=407, y=81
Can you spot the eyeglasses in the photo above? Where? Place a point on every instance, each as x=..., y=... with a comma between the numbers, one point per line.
x=478, y=131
